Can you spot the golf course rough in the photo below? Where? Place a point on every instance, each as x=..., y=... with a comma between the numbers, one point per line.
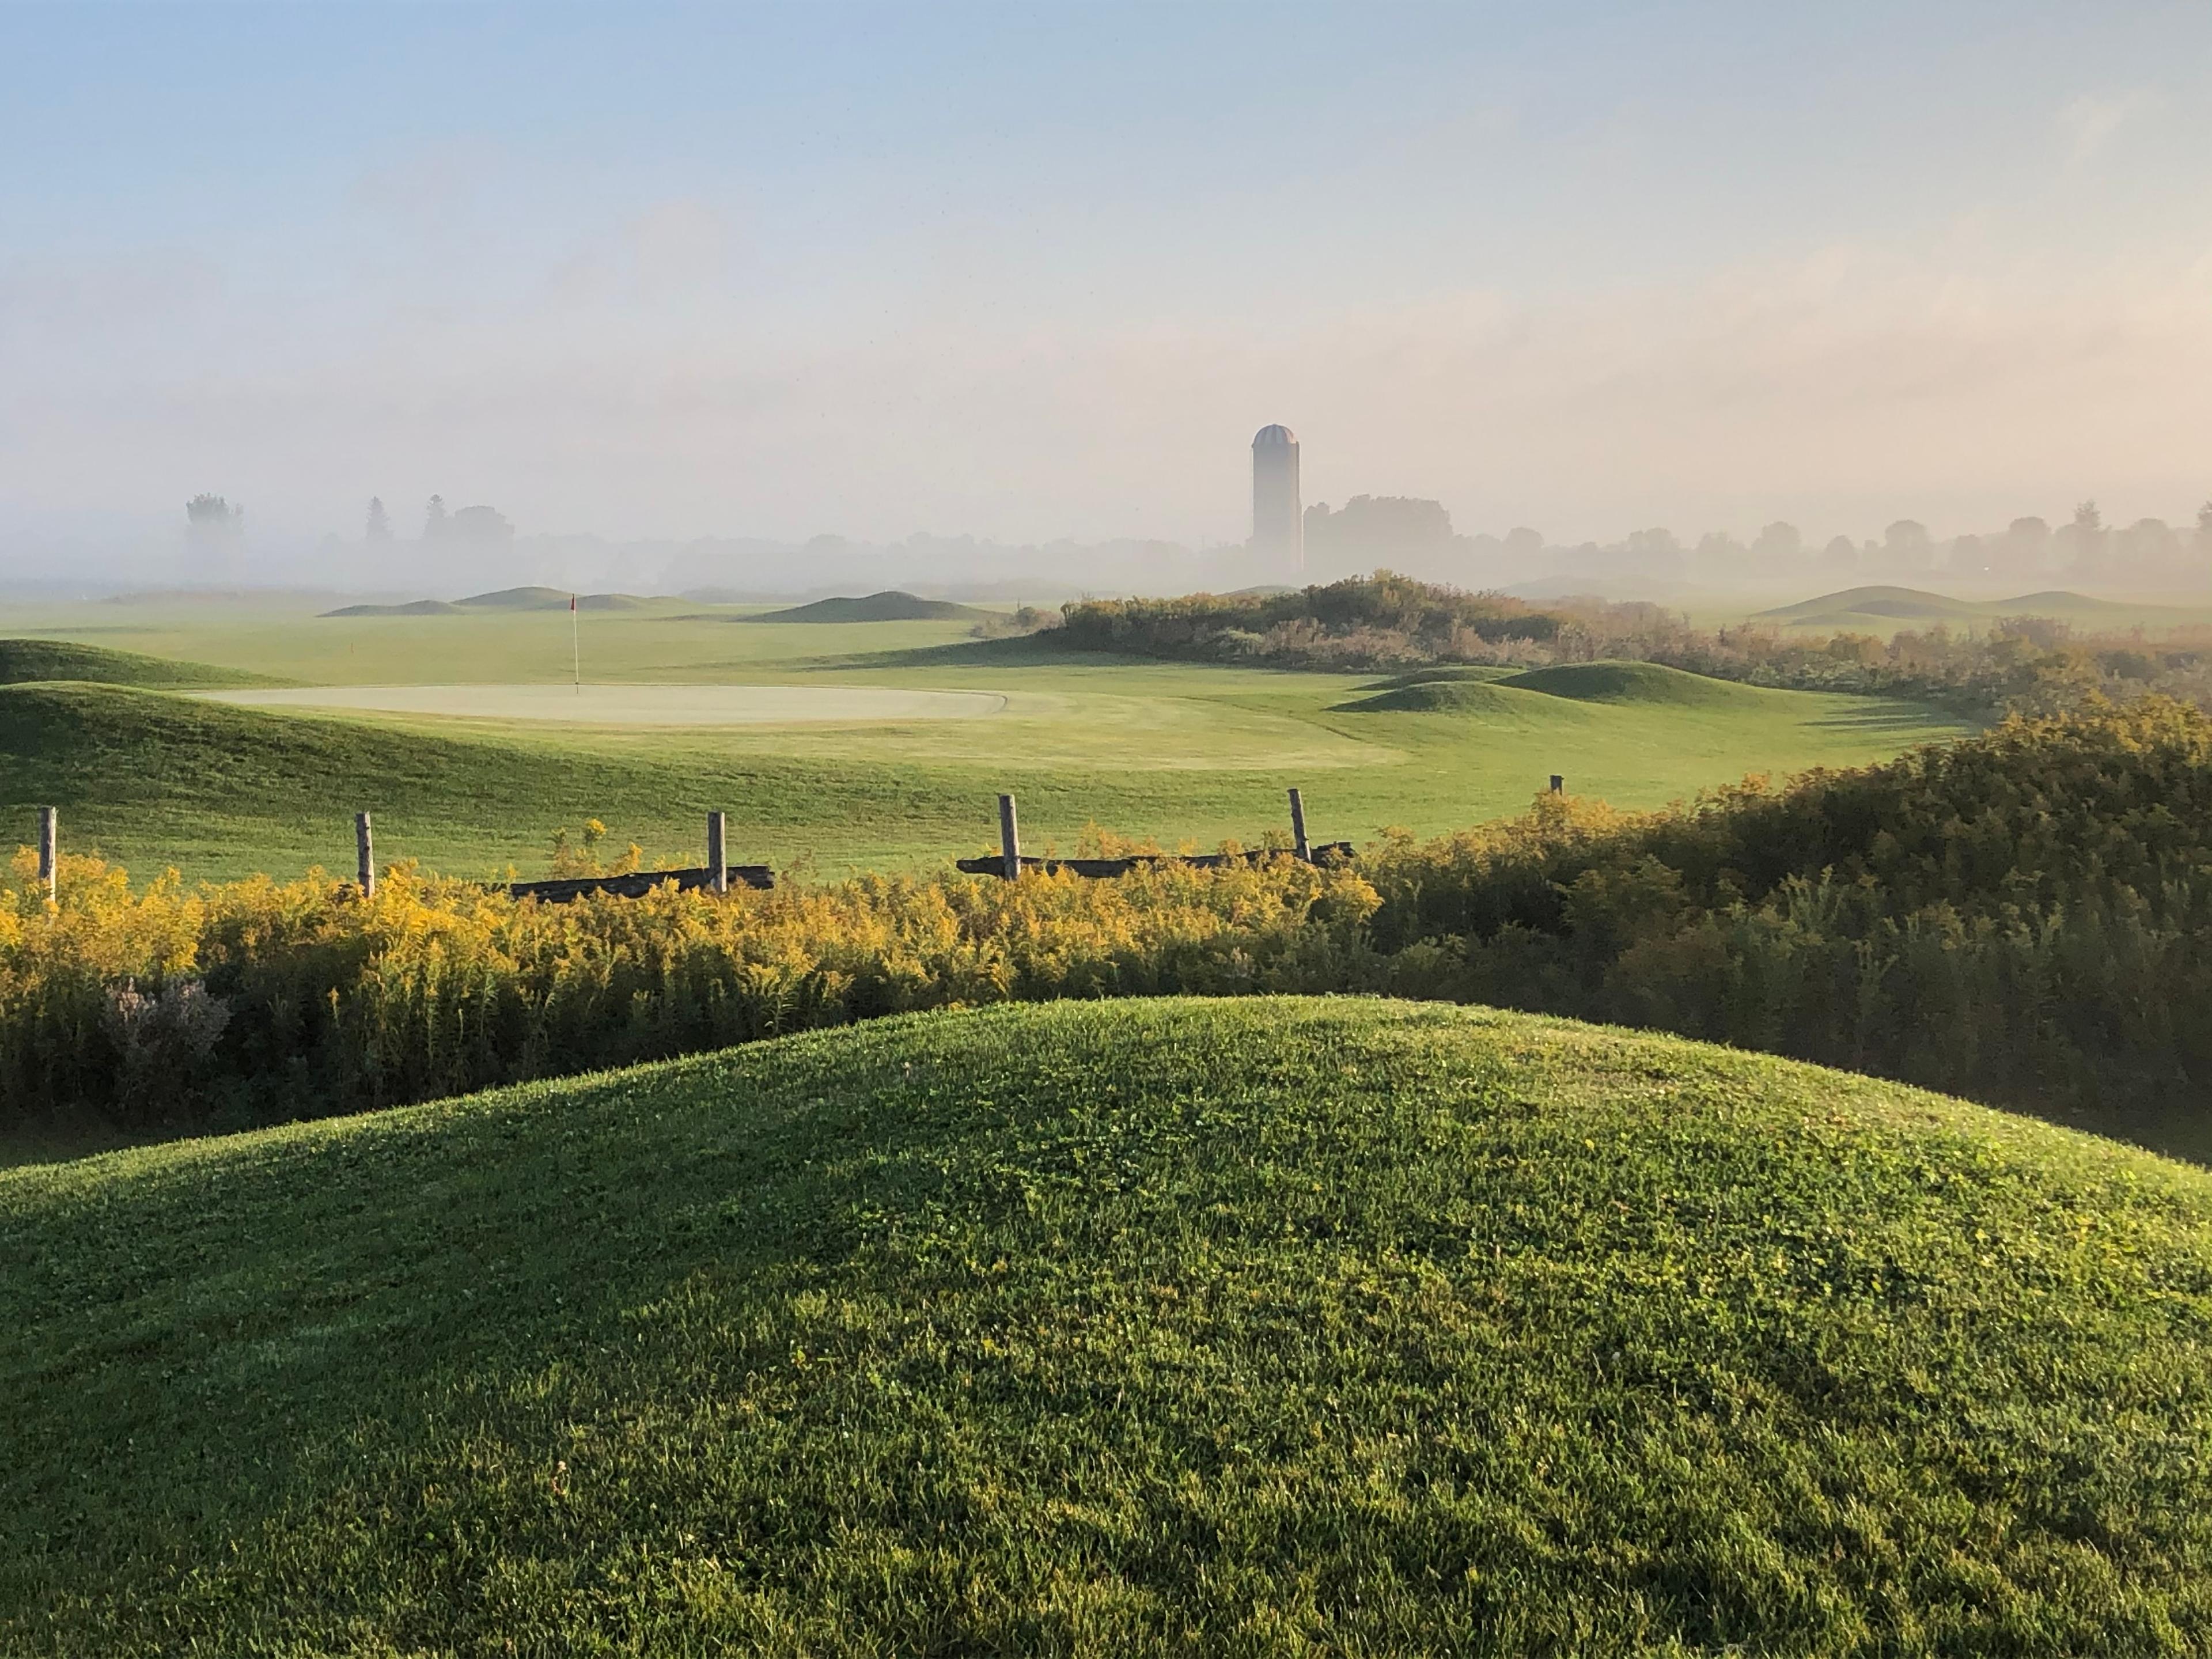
x=1255, y=1326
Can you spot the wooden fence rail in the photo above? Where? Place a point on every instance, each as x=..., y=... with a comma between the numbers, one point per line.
x=995, y=865
x=637, y=883
x=718, y=875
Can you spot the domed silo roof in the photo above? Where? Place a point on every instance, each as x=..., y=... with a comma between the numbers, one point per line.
x=1271, y=437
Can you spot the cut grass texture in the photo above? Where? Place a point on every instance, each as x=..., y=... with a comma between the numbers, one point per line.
x=1636, y=682
x=1145, y=1328
x=1167, y=751
x=25, y=662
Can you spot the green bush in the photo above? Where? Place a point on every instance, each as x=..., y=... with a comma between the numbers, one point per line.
x=259, y=1000
x=1361, y=622
x=2025, y=916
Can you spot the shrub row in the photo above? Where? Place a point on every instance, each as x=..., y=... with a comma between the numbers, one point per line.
x=2025, y=916
x=259, y=1000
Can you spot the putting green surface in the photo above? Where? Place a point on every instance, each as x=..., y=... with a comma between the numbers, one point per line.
x=638, y=705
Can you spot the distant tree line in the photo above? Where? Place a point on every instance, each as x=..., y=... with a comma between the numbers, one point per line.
x=1412, y=534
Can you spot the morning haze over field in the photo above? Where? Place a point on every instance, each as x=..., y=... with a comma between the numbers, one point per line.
x=1099, y=829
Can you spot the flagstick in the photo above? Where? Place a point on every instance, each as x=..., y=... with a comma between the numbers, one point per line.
x=576, y=644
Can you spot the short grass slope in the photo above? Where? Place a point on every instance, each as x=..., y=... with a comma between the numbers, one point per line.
x=26, y=662
x=1139, y=1328
x=1635, y=681
x=1878, y=606
x=517, y=598
x=889, y=606
x=1436, y=696
x=408, y=608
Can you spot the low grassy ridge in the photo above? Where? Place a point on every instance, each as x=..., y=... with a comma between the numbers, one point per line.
x=892, y=606
x=1632, y=681
x=1259, y=1326
x=24, y=662
x=1492, y=693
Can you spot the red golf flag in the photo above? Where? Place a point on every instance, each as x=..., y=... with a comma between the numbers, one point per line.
x=572, y=602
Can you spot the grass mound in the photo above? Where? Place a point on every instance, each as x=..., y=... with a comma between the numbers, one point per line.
x=1484, y=673
x=26, y=662
x=517, y=598
x=1916, y=604
x=507, y=598
x=117, y=756
x=411, y=608
x=1908, y=603
x=1170, y=1327
x=1632, y=681
x=889, y=607
x=1436, y=696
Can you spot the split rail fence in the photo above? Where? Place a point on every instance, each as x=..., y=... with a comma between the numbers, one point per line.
x=718, y=875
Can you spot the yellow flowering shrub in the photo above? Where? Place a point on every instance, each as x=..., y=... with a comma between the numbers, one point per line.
x=259, y=999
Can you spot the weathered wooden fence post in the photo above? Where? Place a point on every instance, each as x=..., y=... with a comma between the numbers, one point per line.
x=1009, y=837
x=718, y=856
x=364, y=848
x=49, y=847
x=1558, y=784
x=1298, y=828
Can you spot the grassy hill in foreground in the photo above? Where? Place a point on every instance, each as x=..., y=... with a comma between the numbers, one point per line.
x=1145, y=1328
x=25, y=662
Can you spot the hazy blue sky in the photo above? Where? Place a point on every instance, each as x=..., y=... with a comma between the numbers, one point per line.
x=1037, y=270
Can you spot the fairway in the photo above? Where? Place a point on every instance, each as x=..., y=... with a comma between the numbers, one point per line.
x=638, y=705
x=840, y=747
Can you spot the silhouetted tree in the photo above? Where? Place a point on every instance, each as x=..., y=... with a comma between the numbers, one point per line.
x=380, y=521
x=1377, y=526
x=1907, y=545
x=434, y=519
x=2027, y=545
x=2085, y=539
x=214, y=529
x=212, y=513
x=1778, y=540
x=2147, y=546
x=480, y=524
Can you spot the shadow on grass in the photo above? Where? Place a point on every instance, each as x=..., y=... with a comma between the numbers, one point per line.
x=1885, y=714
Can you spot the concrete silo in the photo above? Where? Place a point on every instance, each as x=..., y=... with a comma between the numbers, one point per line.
x=1278, y=510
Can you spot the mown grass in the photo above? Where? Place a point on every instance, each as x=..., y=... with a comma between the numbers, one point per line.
x=28, y=661
x=1173, y=751
x=1261, y=1327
